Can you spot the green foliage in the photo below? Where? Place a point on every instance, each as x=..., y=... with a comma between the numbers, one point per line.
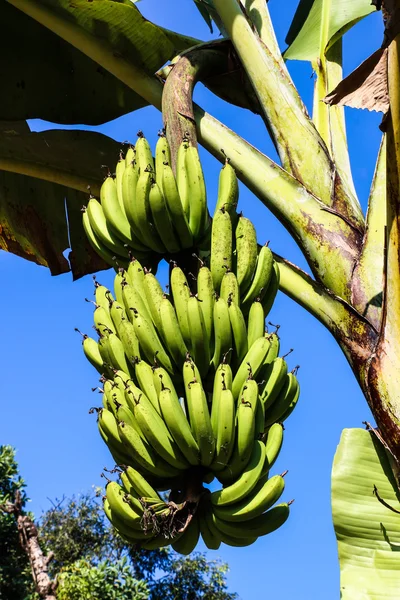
x=15, y=578
x=90, y=554
x=105, y=581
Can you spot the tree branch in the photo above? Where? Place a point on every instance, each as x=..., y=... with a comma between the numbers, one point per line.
x=29, y=540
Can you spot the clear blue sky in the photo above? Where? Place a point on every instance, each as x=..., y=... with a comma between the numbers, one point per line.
x=46, y=381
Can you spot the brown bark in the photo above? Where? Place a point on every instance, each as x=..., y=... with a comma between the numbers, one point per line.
x=29, y=540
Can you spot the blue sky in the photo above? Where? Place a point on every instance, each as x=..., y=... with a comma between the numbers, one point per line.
x=46, y=382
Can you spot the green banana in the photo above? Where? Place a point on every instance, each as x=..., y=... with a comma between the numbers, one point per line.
x=154, y=295
x=102, y=230
x=230, y=540
x=181, y=294
x=246, y=482
x=103, y=296
x=221, y=247
x=141, y=214
x=91, y=351
x=197, y=193
x=178, y=425
x=142, y=456
x=157, y=433
x=246, y=253
x=109, y=432
x=256, y=323
x=265, y=494
x=222, y=381
x=119, y=172
x=200, y=343
x=103, y=322
x=261, y=525
x=135, y=276
x=115, y=495
x=150, y=342
x=144, y=156
x=140, y=484
x=114, y=351
x=273, y=375
x=171, y=333
x=144, y=376
x=119, y=283
x=132, y=299
x=161, y=218
x=222, y=333
x=130, y=155
x=239, y=330
x=251, y=363
x=182, y=177
x=262, y=277
x=272, y=290
x=206, y=297
x=113, y=212
x=228, y=190
x=286, y=400
x=225, y=434
x=163, y=155
x=117, y=314
x=199, y=418
x=273, y=445
x=109, y=257
x=230, y=288
x=187, y=542
x=129, y=185
x=130, y=342
x=210, y=538
x=175, y=207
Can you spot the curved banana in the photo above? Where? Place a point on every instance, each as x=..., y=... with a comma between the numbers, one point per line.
x=140, y=484
x=230, y=288
x=272, y=290
x=113, y=212
x=161, y=218
x=273, y=445
x=221, y=247
x=181, y=294
x=182, y=177
x=256, y=323
x=154, y=295
x=187, y=542
x=130, y=342
x=157, y=433
x=197, y=193
x=262, y=276
x=150, y=342
x=144, y=376
x=265, y=494
x=171, y=333
x=222, y=381
x=273, y=375
x=225, y=434
x=141, y=214
x=103, y=296
x=251, y=363
x=206, y=297
x=133, y=299
x=200, y=421
x=178, y=425
x=92, y=353
x=109, y=257
x=239, y=330
x=163, y=155
x=258, y=526
x=144, y=156
x=119, y=172
x=246, y=482
x=200, y=343
x=101, y=229
x=228, y=190
x=246, y=253
x=286, y=400
x=175, y=207
x=222, y=333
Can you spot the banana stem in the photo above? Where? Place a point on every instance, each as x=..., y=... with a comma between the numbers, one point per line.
x=352, y=331
x=288, y=121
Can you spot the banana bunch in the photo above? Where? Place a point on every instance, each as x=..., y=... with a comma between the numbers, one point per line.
x=194, y=391
x=145, y=210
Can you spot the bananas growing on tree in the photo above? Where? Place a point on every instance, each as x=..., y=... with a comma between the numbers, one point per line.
x=194, y=389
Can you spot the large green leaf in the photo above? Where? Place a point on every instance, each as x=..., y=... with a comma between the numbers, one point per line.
x=54, y=168
x=367, y=531
x=54, y=81
x=312, y=16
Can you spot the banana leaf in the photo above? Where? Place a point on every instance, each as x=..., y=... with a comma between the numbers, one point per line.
x=366, y=517
x=52, y=80
x=39, y=218
x=313, y=16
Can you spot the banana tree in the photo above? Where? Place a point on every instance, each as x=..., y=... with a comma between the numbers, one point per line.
x=107, y=49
